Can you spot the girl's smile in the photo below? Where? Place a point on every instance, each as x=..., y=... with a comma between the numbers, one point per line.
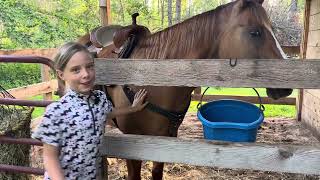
x=79, y=73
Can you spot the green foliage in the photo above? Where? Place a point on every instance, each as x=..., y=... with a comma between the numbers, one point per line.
x=39, y=111
x=26, y=24
x=49, y=23
x=17, y=75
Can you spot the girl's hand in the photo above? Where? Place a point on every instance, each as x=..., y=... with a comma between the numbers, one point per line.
x=138, y=102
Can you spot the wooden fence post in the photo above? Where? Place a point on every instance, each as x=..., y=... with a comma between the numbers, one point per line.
x=105, y=19
x=303, y=54
x=105, y=12
x=45, y=77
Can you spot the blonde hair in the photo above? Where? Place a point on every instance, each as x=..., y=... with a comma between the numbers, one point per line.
x=62, y=58
x=65, y=53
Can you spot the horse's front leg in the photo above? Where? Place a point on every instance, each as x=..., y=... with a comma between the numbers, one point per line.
x=134, y=169
x=157, y=170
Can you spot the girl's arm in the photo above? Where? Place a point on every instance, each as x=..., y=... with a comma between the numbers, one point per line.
x=137, y=105
x=51, y=162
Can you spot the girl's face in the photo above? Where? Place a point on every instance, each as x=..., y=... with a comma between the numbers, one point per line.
x=79, y=73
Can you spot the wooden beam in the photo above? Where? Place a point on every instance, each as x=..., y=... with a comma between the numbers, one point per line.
x=312, y=102
x=314, y=38
x=108, y=9
x=45, y=77
x=34, y=89
x=279, y=158
x=311, y=121
x=313, y=51
x=218, y=72
x=315, y=7
x=314, y=22
x=304, y=44
x=303, y=53
x=251, y=99
x=105, y=12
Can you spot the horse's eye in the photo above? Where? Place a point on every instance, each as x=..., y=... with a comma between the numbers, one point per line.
x=255, y=33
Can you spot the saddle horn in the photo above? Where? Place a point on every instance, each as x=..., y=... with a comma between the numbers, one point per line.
x=134, y=18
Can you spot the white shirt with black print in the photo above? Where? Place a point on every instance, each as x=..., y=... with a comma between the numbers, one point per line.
x=75, y=124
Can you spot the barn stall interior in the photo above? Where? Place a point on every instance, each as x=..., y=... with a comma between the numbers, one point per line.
x=281, y=134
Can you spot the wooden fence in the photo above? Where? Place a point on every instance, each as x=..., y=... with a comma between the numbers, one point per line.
x=195, y=73
x=46, y=88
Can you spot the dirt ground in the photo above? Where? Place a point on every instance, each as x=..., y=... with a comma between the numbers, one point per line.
x=273, y=131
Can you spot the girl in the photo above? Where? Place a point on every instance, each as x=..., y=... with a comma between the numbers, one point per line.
x=72, y=128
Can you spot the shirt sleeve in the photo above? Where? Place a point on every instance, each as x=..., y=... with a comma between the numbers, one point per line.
x=49, y=130
x=107, y=105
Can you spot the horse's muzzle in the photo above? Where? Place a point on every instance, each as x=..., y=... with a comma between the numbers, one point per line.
x=276, y=93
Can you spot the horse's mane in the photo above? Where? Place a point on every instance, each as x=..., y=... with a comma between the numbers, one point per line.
x=191, y=28
x=171, y=38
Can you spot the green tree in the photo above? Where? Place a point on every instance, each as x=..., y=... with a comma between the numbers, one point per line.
x=26, y=24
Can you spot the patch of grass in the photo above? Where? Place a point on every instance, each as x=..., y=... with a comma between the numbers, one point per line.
x=39, y=111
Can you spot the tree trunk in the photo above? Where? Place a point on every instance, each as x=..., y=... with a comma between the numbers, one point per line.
x=293, y=11
x=189, y=8
x=159, y=7
x=178, y=11
x=162, y=13
x=293, y=6
x=169, y=12
x=122, y=10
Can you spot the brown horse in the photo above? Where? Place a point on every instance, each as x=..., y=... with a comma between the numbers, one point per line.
x=240, y=29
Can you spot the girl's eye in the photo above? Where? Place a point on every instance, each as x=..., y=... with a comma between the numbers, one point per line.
x=75, y=70
x=90, y=66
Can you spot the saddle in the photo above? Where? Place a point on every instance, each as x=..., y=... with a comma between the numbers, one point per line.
x=124, y=34
x=123, y=38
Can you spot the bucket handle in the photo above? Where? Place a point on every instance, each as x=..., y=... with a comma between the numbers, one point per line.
x=261, y=106
x=200, y=102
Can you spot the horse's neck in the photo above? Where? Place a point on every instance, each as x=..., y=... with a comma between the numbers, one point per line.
x=193, y=39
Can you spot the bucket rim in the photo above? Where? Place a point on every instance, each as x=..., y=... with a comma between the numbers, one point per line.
x=234, y=125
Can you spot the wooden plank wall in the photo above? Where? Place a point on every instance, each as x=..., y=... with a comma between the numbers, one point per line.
x=311, y=98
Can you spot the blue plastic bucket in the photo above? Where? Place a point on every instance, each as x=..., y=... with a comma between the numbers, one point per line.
x=230, y=120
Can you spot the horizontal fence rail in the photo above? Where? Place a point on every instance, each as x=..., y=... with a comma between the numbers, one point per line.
x=218, y=72
x=9, y=101
x=278, y=158
x=34, y=89
x=27, y=59
x=26, y=141
x=21, y=169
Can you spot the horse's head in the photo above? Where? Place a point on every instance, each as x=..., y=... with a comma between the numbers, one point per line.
x=247, y=33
